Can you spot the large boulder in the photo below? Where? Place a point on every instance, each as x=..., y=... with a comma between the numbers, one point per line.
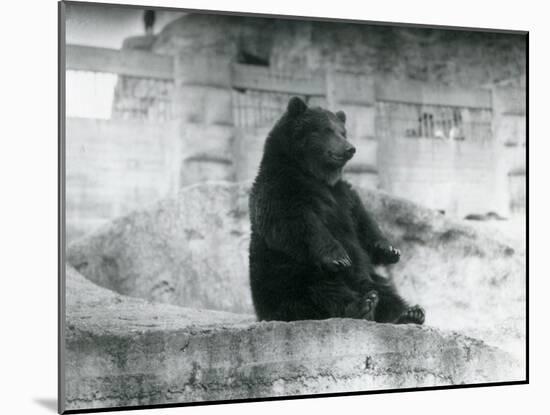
x=192, y=251
x=123, y=351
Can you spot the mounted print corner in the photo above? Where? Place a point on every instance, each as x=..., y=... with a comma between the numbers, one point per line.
x=258, y=206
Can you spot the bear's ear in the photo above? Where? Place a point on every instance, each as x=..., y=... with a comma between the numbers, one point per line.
x=341, y=116
x=296, y=106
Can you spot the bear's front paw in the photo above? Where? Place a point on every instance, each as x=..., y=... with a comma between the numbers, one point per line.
x=386, y=254
x=336, y=260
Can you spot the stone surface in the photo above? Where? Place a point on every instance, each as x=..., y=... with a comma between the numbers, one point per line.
x=192, y=251
x=123, y=351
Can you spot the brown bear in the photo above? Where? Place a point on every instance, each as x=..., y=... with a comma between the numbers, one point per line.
x=313, y=245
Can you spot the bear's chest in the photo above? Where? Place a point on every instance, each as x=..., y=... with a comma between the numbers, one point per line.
x=335, y=212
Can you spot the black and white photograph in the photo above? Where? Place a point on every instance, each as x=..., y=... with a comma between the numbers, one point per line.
x=259, y=207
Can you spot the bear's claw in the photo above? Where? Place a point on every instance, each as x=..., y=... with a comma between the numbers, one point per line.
x=345, y=262
x=338, y=261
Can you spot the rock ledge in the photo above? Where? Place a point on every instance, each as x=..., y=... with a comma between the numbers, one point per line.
x=123, y=351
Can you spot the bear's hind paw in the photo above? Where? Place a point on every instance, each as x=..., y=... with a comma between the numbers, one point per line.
x=413, y=315
x=386, y=254
x=369, y=305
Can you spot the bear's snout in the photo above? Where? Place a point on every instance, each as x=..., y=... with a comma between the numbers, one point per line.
x=349, y=152
x=342, y=154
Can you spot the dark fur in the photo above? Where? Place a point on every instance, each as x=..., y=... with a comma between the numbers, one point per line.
x=313, y=244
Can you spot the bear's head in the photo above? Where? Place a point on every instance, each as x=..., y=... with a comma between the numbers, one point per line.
x=316, y=140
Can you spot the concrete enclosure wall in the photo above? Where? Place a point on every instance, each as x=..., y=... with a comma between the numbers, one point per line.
x=450, y=57
x=456, y=177
x=209, y=117
x=114, y=166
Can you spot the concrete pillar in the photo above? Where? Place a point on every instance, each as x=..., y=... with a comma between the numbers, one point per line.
x=203, y=104
x=354, y=94
x=509, y=130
